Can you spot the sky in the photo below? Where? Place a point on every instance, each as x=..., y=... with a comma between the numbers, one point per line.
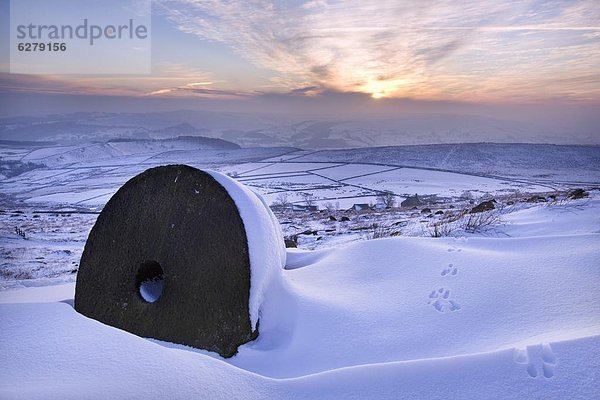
x=354, y=55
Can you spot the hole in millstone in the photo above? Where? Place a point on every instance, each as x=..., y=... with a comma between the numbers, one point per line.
x=149, y=281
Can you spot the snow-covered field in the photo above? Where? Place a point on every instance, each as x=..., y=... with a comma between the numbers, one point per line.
x=397, y=318
x=505, y=312
x=88, y=175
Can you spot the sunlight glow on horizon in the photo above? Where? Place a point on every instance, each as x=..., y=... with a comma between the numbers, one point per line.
x=379, y=89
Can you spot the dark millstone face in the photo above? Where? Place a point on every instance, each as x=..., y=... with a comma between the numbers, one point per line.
x=168, y=259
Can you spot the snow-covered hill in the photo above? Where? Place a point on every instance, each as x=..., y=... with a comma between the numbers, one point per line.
x=510, y=317
x=542, y=162
x=113, y=149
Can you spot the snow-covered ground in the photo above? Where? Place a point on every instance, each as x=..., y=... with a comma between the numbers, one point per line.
x=396, y=318
x=508, y=311
x=47, y=187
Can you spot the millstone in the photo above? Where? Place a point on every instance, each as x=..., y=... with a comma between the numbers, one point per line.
x=168, y=258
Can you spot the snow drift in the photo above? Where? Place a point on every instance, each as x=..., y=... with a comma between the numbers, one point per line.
x=371, y=320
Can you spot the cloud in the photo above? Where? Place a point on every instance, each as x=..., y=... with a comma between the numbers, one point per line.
x=306, y=91
x=198, y=89
x=314, y=4
x=423, y=49
x=167, y=78
x=43, y=84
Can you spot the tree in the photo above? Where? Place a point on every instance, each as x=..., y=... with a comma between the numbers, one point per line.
x=387, y=198
x=309, y=199
x=282, y=200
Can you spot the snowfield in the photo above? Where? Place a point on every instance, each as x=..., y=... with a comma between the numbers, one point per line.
x=507, y=311
x=432, y=318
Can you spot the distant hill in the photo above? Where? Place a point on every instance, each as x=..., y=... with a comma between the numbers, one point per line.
x=267, y=130
x=26, y=143
x=200, y=142
x=179, y=130
x=539, y=161
x=69, y=131
x=123, y=147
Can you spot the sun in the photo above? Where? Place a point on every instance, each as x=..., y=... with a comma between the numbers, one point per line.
x=380, y=89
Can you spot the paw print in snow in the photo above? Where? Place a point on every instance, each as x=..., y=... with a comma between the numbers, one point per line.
x=454, y=248
x=450, y=270
x=538, y=360
x=440, y=300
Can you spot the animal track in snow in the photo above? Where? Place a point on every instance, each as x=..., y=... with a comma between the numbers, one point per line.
x=450, y=270
x=440, y=300
x=538, y=360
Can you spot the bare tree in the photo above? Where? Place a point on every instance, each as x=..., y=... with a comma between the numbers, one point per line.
x=309, y=199
x=282, y=200
x=387, y=198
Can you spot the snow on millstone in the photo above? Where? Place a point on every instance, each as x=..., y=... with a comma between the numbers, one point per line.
x=181, y=255
x=265, y=240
